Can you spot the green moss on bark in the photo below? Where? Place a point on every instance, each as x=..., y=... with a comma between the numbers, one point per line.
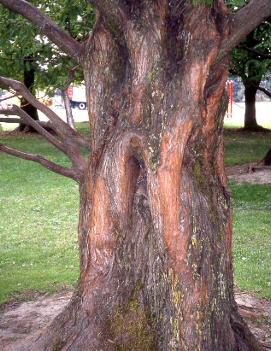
x=130, y=329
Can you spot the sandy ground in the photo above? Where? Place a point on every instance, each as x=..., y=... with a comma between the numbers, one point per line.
x=21, y=320
x=244, y=174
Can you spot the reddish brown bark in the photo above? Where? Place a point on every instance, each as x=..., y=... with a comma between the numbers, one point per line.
x=155, y=226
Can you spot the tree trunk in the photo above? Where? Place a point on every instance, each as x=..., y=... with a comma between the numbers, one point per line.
x=250, y=105
x=267, y=158
x=29, y=81
x=155, y=225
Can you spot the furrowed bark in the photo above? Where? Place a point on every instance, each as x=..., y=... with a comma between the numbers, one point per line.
x=155, y=219
x=47, y=27
x=155, y=229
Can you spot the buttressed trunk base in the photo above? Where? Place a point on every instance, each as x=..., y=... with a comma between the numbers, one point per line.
x=155, y=217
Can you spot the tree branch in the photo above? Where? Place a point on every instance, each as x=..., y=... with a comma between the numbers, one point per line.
x=67, y=172
x=17, y=111
x=256, y=52
x=49, y=28
x=8, y=97
x=243, y=22
x=60, y=127
x=265, y=91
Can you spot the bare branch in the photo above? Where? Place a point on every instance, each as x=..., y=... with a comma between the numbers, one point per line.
x=263, y=55
x=265, y=91
x=17, y=111
x=49, y=28
x=68, y=109
x=10, y=120
x=60, y=127
x=67, y=172
x=45, y=125
x=243, y=22
x=8, y=97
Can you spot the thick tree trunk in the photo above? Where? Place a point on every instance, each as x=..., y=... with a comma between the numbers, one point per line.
x=155, y=226
x=29, y=81
x=250, y=122
x=267, y=158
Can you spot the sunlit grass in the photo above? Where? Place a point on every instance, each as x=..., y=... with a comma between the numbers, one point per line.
x=252, y=237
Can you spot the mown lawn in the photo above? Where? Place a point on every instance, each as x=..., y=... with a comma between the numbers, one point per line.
x=245, y=147
x=39, y=213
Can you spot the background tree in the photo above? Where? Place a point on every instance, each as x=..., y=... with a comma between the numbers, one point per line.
x=251, y=61
x=155, y=217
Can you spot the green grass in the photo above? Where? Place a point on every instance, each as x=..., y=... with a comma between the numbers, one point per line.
x=241, y=147
x=252, y=237
x=39, y=214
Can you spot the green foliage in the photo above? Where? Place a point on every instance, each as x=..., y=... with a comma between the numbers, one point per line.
x=20, y=40
x=250, y=59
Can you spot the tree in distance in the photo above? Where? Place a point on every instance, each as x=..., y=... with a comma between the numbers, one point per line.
x=155, y=227
x=251, y=61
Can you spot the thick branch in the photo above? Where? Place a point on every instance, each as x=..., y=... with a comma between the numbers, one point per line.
x=17, y=111
x=60, y=127
x=49, y=28
x=67, y=172
x=265, y=91
x=243, y=22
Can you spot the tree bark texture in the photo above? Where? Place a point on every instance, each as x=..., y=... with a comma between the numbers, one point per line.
x=251, y=88
x=155, y=227
x=29, y=81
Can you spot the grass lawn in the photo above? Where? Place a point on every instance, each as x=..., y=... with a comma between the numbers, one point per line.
x=39, y=213
x=245, y=147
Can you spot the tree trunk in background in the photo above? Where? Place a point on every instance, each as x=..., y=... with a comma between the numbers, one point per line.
x=267, y=158
x=155, y=227
x=29, y=81
x=250, y=105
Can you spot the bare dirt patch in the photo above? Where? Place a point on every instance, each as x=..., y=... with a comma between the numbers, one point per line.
x=246, y=174
x=21, y=320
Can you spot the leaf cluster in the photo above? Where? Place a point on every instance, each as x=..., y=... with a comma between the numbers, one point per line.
x=24, y=47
